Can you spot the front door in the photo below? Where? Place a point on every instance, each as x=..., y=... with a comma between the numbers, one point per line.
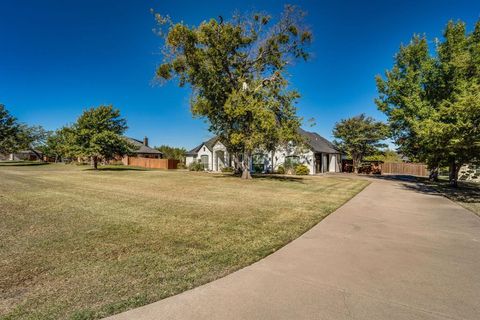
x=318, y=162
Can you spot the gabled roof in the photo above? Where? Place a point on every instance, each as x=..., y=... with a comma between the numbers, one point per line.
x=209, y=144
x=312, y=139
x=317, y=142
x=140, y=147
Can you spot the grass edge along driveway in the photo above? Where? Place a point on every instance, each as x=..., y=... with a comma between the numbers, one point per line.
x=80, y=244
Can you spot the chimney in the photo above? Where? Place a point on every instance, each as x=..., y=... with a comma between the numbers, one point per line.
x=145, y=141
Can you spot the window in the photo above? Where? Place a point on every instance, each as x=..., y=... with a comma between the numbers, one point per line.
x=204, y=161
x=258, y=161
x=291, y=162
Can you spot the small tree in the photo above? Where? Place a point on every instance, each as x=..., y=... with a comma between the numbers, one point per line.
x=236, y=70
x=360, y=136
x=97, y=134
x=172, y=152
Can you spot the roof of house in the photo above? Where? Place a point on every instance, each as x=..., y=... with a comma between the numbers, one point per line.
x=313, y=139
x=209, y=144
x=141, y=148
x=317, y=142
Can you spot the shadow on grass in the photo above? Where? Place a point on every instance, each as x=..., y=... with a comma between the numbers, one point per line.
x=117, y=168
x=465, y=192
x=264, y=177
x=22, y=163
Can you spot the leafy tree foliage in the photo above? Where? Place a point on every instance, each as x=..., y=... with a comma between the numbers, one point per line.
x=359, y=136
x=172, y=152
x=385, y=156
x=9, y=132
x=433, y=101
x=97, y=134
x=15, y=136
x=237, y=71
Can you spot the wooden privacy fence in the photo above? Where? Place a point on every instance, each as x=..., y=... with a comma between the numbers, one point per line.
x=150, y=163
x=414, y=169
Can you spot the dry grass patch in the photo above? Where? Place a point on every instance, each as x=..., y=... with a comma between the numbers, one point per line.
x=81, y=244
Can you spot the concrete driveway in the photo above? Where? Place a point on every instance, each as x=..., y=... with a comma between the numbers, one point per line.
x=392, y=252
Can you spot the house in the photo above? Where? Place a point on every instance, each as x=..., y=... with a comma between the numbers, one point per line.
x=29, y=155
x=142, y=150
x=319, y=155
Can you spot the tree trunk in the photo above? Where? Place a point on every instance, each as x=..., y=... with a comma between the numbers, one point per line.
x=273, y=161
x=95, y=163
x=433, y=174
x=37, y=154
x=245, y=166
x=453, y=175
x=356, y=163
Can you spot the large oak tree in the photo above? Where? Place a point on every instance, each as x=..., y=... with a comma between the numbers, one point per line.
x=432, y=101
x=236, y=69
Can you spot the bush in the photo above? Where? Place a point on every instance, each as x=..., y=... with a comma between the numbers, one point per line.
x=281, y=170
x=195, y=166
x=227, y=169
x=181, y=165
x=302, y=170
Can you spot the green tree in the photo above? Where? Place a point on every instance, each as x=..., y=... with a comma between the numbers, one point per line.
x=9, y=132
x=432, y=101
x=16, y=136
x=172, y=152
x=236, y=70
x=359, y=136
x=32, y=138
x=97, y=134
x=385, y=156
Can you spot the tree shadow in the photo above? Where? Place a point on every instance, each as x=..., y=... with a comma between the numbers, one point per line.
x=465, y=192
x=21, y=164
x=117, y=168
x=265, y=177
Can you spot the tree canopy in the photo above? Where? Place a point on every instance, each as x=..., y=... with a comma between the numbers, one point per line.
x=9, y=132
x=236, y=69
x=172, y=152
x=359, y=136
x=15, y=136
x=97, y=134
x=432, y=101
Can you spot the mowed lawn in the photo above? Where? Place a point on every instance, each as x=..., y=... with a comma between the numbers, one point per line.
x=77, y=243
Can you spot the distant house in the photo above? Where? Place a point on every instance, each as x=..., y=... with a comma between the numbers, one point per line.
x=29, y=155
x=143, y=150
x=319, y=155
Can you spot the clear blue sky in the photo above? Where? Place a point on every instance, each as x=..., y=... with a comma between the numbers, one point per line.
x=60, y=57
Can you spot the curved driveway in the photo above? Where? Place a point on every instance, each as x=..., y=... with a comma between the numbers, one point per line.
x=392, y=252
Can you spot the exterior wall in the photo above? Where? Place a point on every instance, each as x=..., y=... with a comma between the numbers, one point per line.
x=469, y=172
x=190, y=159
x=205, y=151
x=24, y=156
x=220, y=158
x=305, y=156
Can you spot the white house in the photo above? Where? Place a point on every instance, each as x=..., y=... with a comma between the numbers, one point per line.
x=319, y=155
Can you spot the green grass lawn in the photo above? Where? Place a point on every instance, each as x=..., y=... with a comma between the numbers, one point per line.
x=77, y=243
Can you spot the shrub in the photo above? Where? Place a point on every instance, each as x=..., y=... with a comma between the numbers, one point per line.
x=181, y=165
x=281, y=170
x=227, y=169
x=302, y=170
x=195, y=166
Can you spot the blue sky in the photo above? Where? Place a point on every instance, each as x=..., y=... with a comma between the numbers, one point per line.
x=59, y=57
